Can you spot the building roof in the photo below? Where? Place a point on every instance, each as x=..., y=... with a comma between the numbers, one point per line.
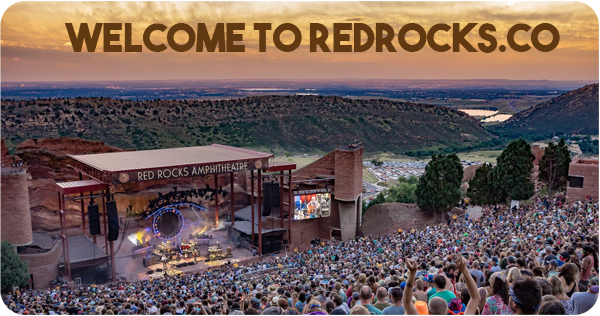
x=246, y=228
x=82, y=186
x=165, y=158
x=83, y=249
x=246, y=213
x=281, y=166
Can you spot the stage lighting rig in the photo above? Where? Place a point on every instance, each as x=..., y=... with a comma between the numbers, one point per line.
x=181, y=197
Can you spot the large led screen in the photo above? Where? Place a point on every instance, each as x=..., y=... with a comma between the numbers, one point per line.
x=312, y=206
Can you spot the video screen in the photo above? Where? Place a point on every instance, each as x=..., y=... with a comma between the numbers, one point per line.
x=312, y=206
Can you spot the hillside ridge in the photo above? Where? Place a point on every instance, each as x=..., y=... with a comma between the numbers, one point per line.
x=291, y=123
x=574, y=112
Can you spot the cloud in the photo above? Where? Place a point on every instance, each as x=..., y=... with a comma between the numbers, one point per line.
x=34, y=31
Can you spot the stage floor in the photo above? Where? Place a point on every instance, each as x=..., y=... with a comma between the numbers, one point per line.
x=131, y=267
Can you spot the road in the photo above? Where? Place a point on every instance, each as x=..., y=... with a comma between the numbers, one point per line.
x=372, y=187
x=512, y=106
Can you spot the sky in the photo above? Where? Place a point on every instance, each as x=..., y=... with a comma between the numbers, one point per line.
x=36, y=47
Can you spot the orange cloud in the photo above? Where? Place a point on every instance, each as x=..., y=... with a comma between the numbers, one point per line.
x=36, y=46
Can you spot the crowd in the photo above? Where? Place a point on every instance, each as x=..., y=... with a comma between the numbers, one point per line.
x=535, y=259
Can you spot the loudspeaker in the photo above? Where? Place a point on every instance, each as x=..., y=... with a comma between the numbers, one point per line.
x=94, y=219
x=275, y=246
x=266, y=248
x=267, y=193
x=113, y=220
x=275, y=196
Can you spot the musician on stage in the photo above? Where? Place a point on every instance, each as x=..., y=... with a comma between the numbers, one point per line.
x=164, y=261
x=195, y=254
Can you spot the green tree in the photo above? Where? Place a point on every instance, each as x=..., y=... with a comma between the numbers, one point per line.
x=380, y=198
x=439, y=187
x=482, y=188
x=554, y=166
x=513, y=171
x=404, y=192
x=377, y=162
x=14, y=270
x=410, y=180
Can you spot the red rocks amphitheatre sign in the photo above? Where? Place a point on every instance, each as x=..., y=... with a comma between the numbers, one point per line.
x=186, y=171
x=171, y=163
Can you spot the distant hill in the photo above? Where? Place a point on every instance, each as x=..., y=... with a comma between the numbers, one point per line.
x=575, y=112
x=290, y=123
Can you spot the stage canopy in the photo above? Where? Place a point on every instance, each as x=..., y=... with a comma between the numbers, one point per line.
x=158, y=164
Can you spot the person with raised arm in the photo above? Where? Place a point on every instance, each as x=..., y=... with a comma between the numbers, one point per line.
x=439, y=306
x=471, y=286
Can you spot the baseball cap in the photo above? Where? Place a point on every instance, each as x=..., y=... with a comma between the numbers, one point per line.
x=564, y=255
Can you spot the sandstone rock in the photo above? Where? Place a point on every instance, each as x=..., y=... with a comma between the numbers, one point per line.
x=386, y=218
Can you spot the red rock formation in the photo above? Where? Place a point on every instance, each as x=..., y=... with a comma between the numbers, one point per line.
x=538, y=152
x=4, y=151
x=386, y=218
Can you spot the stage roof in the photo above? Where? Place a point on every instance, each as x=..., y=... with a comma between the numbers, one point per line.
x=166, y=158
x=82, y=186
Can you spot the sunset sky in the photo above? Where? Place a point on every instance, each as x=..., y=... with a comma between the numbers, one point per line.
x=36, y=46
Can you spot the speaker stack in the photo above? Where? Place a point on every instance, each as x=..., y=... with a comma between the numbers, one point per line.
x=94, y=219
x=113, y=220
x=275, y=196
x=271, y=197
x=267, y=196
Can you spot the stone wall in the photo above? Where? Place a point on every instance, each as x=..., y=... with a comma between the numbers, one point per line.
x=16, y=215
x=588, y=169
x=43, y=266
